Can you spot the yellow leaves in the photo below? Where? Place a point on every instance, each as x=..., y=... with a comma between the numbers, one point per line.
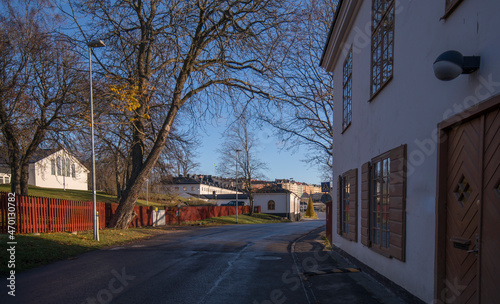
x=126, y=96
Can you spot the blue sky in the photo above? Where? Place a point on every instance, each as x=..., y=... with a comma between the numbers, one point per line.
x=280, y=163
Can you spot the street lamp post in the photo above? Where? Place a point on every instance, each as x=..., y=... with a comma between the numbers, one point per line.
x=237, y=155
x=93, y=44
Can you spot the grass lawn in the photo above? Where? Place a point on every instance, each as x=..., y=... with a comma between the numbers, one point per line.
x=257, y=218
x=76, y=195
x=36, y=250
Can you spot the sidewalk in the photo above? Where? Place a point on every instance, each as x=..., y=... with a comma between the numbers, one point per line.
x=329, y=278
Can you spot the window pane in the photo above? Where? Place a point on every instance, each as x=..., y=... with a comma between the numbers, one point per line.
x=53, y=167
x=58, y=166
x=68, y=167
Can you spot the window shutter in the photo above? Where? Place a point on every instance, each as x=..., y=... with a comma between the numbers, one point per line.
x=365, y=204
x=353, y=204
x=339, y=203
x=397, y=191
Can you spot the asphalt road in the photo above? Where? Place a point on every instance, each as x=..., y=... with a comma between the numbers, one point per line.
x=225, y=264
x=256, y=264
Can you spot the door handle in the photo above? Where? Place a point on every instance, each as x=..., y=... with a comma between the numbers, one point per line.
x=475, y=250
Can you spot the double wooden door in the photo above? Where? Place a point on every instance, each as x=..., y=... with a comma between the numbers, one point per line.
x=472, y=259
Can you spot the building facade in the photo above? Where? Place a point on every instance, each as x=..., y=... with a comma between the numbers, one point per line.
x=279, y=202
x=57, y=168
x=416, y=159
x=201, y=185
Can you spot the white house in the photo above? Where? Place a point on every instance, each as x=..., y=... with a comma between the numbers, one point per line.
x=279, y=202
x=193, y=185
x=417, y=160
x=57, y=168
x=4, y=178
x=220, y=199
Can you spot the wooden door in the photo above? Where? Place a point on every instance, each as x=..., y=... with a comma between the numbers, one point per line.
x=490, y=226
x=473, y=210
x=463, y=212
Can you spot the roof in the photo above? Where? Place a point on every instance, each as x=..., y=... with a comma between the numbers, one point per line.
x=330, y=32
x=42, y=153
x=272, y=189
x=39, y=155
x=202, y=179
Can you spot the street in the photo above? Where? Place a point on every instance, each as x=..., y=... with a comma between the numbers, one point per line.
x=255, y=264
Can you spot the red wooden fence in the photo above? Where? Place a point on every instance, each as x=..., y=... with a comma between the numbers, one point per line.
x=40, y=214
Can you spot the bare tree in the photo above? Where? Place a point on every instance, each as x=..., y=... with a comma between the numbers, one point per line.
x=39, y=83
x=181, y=155
x=302, y=115
x=240, y=146
x=162, y=55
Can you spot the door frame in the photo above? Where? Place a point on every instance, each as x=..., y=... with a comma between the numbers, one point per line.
x=444, y=127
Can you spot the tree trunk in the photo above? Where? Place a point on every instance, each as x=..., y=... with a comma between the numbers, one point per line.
x=24, y=178
x=15, y=178
x=250, y=196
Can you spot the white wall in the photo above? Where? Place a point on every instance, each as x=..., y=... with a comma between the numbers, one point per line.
x=284, y=202
x=40, y=174
x=199, y=189
x=408, y=110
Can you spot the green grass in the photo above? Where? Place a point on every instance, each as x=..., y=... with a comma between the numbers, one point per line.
x=36, y=250
x=76, y=195
x=257, y=218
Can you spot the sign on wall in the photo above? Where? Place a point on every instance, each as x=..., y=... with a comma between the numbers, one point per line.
x=325, y=187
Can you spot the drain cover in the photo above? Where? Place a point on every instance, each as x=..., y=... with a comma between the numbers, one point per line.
x=268, y=258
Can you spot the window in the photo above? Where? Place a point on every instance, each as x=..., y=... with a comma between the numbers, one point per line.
x=53, y=166
x=380, y=180
x=68, y=167
x=450, y=6
x=184, y=188
x=192, y=188
x=347, y=210
x=63, y=173
x=59, y=166
x=271, y=205
x=383, y=196
x=73, y=171
x=382, y=44
x=347, y=82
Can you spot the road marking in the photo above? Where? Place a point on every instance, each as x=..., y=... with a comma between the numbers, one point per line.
x=328, y=271
x=268, y=258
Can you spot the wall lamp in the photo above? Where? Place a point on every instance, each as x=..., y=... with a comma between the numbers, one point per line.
x=451, y=64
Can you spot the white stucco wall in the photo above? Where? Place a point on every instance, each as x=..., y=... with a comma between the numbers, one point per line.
x=284, y=202
x=40, y=174
x=407, y=111
x=199, y=189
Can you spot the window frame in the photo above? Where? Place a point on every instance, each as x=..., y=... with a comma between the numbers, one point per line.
x=383, y=197
x=397, y=203
x=347, y=205
x=271, y=203
x=58, y=166
x=377, y=33
x=347, y=91
x=53, y=166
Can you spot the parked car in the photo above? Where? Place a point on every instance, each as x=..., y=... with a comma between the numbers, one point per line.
x=233, y=203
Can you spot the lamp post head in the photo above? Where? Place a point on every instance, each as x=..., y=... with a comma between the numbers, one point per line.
x=96, y=43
